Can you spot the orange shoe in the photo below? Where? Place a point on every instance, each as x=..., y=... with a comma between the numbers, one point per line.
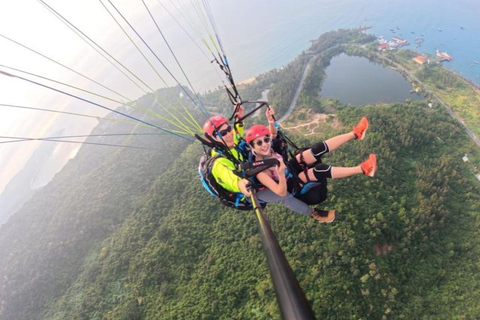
x=369, y=167
x=324, y=216
x=361, y=128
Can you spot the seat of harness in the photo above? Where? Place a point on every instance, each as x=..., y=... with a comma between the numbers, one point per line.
x=295, y=167
x=308, y=186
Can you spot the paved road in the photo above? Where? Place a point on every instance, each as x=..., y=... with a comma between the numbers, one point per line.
x=297, y=93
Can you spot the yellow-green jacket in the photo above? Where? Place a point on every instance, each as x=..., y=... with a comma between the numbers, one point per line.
x=223, y=168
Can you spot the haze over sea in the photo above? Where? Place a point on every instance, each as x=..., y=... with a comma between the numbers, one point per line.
x=271, y=33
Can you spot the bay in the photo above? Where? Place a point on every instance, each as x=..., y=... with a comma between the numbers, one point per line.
x=269, y=34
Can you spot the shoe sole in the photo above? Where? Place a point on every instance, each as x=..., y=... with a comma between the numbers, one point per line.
x=334, y=217
x=364, y=132
x=372, y=173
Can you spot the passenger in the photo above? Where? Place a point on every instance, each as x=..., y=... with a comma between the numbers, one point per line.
x=306, y=167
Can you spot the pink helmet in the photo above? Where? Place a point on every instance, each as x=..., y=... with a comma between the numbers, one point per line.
x=213, y=124
x=258, y=130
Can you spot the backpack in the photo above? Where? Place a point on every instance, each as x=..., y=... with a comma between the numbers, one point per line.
x=230, y=199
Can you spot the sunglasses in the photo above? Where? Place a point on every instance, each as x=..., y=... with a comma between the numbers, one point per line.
x=223, y=132
x=260, y=142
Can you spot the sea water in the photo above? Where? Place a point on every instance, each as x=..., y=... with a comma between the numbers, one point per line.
x=264, y=34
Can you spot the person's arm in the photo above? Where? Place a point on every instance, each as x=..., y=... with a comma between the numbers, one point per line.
x=240, y=111
x=222, y=170
x=239, y=127
x=243, y=186
x=279, y=188
x=271, y=121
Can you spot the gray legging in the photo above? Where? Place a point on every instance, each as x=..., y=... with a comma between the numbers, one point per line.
x=288, y=201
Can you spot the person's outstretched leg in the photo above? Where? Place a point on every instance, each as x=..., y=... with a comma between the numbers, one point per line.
x=361, y=129
x=337, y=141
x=321, y=170
x=298, y=206
x=288, y=201
x=312, y=155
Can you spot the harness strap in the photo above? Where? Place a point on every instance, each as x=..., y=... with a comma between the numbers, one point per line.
x=304, y=166
x=237, y=201
x=220, y=147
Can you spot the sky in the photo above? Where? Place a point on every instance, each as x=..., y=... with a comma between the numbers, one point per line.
x=40, y=30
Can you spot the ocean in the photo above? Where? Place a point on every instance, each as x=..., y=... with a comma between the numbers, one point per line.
x=264, y=34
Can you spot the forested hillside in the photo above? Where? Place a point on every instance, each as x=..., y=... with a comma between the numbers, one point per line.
x=404, y=241
x=131, y=234
x=43, y=246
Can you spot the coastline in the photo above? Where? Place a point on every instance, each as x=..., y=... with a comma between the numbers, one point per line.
x=473, y=84
x=403, y=68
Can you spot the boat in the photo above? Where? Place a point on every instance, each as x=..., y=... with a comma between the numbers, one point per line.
x=476, y=62
x=363, y=28
x=443, y=55
x=400, y=42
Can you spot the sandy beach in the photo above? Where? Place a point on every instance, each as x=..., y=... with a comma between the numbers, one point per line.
x=247, y=81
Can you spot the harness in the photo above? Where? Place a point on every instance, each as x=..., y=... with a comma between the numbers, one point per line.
x=247, y=170
x=235, y=200
x=311, y=192
x=244, y=170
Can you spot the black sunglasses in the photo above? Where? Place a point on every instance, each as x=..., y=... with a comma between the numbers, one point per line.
x=223, y=132
x=260, y=142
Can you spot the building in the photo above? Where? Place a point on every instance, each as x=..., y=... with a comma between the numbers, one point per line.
x=420, y=59
x=383, y=46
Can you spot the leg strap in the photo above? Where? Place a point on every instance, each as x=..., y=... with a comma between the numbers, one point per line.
x=304, y=166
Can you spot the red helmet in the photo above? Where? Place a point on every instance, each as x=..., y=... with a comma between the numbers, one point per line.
x=258, y=130
x=213, y=124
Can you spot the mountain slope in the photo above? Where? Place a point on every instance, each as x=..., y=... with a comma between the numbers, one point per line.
x=394, y=249
x=19, y=189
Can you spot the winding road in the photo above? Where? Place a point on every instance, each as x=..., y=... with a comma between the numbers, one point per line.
x=449, y=110
x=297, y=92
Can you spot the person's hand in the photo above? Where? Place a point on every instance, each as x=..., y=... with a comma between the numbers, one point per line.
x=281, y=167
x=270, y=113
x=240, y=111
x=242, y=185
